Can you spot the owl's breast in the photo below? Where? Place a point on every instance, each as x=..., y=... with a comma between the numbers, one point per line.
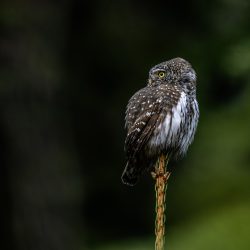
x=175, y=129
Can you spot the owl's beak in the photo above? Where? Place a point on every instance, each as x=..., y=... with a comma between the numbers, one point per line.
x=149, y=81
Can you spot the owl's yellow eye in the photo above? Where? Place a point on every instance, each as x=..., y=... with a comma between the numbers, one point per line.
x=161, y=74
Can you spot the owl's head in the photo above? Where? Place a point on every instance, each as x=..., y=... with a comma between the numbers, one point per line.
x=176, y=71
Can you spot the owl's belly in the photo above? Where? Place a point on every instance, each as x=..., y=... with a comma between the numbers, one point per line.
x=176, y=132
x=167, y=134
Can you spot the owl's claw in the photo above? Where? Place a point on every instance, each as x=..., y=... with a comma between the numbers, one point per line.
x=153, y=174
x=165, y=176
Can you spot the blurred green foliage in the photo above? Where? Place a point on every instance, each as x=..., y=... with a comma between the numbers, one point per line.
x=225, y=228
x=66, y=74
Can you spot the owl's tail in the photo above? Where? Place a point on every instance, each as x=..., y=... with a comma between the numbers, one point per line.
x=135, y=168
x=131, y=174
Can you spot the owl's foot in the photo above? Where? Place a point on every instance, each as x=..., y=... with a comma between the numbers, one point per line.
x=165, y=176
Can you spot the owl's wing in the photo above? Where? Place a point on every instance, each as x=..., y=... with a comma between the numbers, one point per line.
x=140, y=132
x=138, y=136
x=146, y=110
x=136, y=103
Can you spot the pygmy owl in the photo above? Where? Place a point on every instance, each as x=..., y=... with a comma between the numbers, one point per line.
x=161, y=118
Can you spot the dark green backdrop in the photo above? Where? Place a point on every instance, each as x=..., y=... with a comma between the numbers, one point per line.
x=67, y=70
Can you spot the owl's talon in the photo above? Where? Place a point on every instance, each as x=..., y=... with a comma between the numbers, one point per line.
x=166, y=176
x=153, y=174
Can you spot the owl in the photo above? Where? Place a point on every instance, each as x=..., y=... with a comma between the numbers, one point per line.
x=161, y=118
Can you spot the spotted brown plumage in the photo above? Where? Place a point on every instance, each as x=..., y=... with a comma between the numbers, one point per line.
x=161, y=118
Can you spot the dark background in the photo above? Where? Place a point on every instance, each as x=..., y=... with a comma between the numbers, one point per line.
x=67, y=70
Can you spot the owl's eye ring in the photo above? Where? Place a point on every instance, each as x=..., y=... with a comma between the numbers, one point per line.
x=161, y=74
